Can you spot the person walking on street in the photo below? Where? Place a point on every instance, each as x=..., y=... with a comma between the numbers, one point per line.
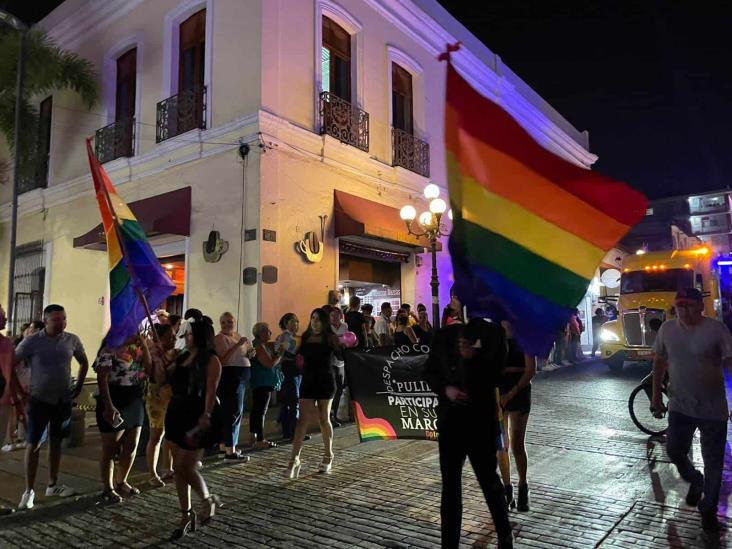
x=598, y=319
x=339, y=366
x=515, y=400
x=464, y=368
x=49, y=353
x=233, y=351
x=383, y=329
x=317, y=389
x=693, y=349
x=120, y=412
x=157, y=398
x=193, y=422
x=286, y=346
x=574, y=352
x=9, y=386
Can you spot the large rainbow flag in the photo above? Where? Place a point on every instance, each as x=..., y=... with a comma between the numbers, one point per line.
x=133, y=267
x=529, y=227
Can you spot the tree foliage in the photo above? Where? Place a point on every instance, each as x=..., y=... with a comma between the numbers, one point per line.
x=48, y=68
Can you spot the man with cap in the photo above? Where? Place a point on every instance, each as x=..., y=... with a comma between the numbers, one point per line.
x=693, y=349
x=464, y=368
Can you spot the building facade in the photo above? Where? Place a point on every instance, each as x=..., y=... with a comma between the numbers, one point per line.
x=266, y=147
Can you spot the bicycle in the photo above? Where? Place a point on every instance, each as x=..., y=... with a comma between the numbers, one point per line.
x=640, y=407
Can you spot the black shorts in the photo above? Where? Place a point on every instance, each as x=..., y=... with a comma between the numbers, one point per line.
x=57, y=417
x=521, y=402
x=129, y=403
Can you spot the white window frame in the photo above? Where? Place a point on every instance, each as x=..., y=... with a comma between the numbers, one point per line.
x=171, y=47
x=109, y=74
x=395, y=55
x=353, y=27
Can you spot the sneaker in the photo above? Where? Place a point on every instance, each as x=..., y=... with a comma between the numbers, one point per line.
x=710, y=522
x=28, y=500
x=59, y=490
x=695, y=491
x=7, y=448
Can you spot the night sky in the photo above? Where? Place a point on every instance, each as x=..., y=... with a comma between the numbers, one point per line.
x=650, y=79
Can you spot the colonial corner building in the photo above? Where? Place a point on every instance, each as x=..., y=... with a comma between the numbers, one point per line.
x=265, y=146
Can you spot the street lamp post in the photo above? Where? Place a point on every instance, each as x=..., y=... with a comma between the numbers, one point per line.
x=22, y=28
x=429, y=225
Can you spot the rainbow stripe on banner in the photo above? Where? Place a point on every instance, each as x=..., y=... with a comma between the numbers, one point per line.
x=373, y=428
x=134, y=270
x=529, y=228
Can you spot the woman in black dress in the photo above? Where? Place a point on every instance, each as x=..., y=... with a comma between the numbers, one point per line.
x=192, y=421
x=515, y=389
x=317, y=389
x=404, y=335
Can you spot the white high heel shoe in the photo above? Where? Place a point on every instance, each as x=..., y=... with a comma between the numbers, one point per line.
x=293, y=469
x=326, y=465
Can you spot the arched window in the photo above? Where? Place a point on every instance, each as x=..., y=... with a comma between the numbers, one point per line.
x=336, y=60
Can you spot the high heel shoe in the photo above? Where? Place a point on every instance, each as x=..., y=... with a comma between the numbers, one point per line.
x=189, y=526
x=293, y=469
x=213, y=503
x=326, y=465
x=523, y=498
x=510, y=501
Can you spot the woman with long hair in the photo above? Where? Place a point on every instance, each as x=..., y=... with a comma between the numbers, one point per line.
x=192, y=421
x=423, y=330
x=317, y=389
x=453, y=313
x=157, y=399
x=515, y=391
x=404, y=334
x=120, y=412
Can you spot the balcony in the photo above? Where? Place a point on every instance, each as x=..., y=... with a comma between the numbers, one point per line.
x=343, y=121
x=707, y=204
x=115, y=140
x=708, y=225
x=34, y=178
x=181, y=113
x=410, y=153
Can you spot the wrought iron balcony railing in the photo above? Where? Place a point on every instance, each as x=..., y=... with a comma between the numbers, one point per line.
x=115, y=140
x=345, y=122
x=181, y=113
x=410, y=153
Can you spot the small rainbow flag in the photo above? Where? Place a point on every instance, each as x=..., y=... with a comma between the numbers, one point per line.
x=529, y=227
x=372, y=428
x=134, y=270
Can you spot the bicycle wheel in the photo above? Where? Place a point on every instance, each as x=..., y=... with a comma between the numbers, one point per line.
x=639, y=406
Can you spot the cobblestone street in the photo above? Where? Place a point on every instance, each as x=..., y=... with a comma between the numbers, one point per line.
x=596, y=482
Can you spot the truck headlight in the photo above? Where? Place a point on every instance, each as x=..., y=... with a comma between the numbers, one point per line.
x=607, y=335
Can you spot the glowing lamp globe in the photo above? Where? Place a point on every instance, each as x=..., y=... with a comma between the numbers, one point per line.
x=425, y=219
x=408, y=213
x=449, y=214
x=431, y=191
x=438, y=206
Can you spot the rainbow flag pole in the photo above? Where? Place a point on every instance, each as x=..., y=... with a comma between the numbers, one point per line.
x=529, y=227
x=136, y=278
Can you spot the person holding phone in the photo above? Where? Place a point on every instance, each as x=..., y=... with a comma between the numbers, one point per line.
x=120, y=412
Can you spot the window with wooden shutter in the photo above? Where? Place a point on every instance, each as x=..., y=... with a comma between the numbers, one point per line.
x=401, y=99
x=336, y=60
x=126, y=83
x=191, y=60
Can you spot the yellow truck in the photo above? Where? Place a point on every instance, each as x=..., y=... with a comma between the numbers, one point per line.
x=648, y=285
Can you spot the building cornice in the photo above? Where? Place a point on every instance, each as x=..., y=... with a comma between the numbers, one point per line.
x=188, y=147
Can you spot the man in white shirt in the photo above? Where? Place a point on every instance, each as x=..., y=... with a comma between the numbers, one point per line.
x=693, y=349
x=383, y=327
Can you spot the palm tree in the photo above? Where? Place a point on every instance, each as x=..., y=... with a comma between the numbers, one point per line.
x=48, y=68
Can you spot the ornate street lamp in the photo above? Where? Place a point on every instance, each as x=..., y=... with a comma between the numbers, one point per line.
x=22, y=28
x=429, y=225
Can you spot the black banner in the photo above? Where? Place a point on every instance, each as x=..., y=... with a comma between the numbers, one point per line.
x=390, y=396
